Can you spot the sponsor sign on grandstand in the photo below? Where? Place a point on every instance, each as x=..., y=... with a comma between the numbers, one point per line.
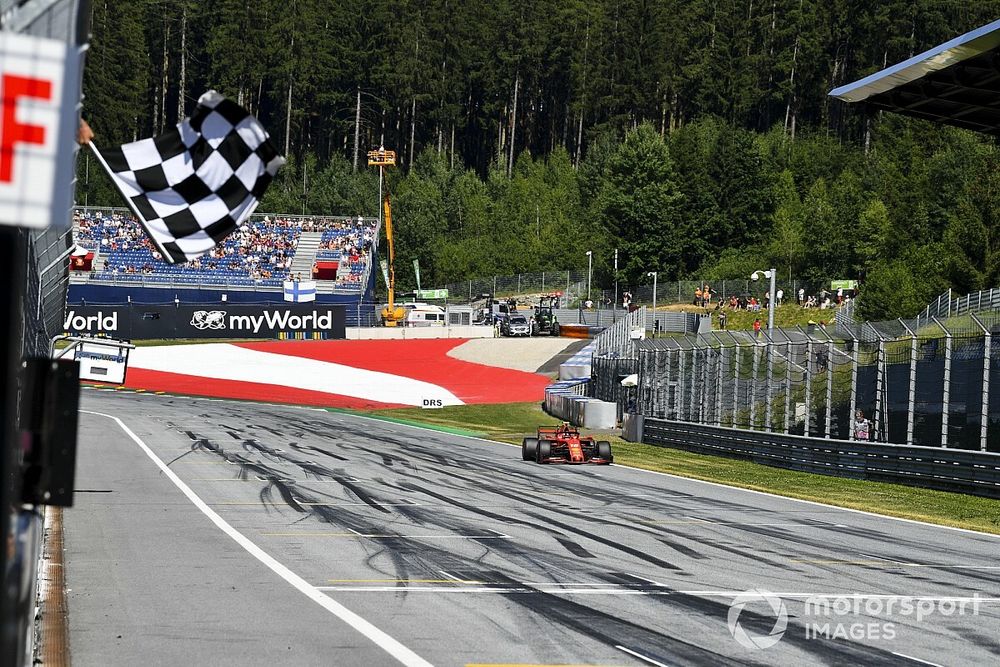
x=137, y=321
x=38, y=124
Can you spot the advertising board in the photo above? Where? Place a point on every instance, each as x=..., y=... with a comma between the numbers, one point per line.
x=136, y=321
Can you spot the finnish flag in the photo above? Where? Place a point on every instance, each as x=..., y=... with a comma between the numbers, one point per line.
x=299, y=291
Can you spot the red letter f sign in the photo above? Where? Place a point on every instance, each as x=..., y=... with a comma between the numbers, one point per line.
x=39, y=118
x=12, y=133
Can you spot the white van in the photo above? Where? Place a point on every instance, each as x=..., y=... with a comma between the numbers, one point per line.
x=424, y=315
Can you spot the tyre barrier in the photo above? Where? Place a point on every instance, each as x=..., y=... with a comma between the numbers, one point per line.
x=566, y=401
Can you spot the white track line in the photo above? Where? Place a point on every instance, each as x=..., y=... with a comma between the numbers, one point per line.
x=849, y=596
x=644, y=658
x=715, y=484
x=388, y=644
x=478, y=590
x=910, y=657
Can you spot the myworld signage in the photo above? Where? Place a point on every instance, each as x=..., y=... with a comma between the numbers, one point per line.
x=136, y=321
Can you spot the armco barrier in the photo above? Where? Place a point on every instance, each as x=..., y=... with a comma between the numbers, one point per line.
x=958, y=470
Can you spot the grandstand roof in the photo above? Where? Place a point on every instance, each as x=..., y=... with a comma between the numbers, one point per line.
x=956, y=83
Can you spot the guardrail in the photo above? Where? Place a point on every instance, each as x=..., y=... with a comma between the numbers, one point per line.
x=963, y=471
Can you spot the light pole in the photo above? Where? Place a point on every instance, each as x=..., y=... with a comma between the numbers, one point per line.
x=653, y=274
x=770, y=273
x=590, y=265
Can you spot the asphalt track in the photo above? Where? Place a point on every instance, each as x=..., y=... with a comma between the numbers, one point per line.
x=306, y=537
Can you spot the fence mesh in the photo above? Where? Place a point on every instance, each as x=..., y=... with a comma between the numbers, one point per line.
x=932, y=385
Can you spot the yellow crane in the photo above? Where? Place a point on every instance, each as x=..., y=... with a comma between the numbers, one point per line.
x=392, y=316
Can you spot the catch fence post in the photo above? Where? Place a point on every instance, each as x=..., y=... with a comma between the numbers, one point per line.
x=702, y=384
x=854, y=383
x=912, y=394
x=809, y=361
x=692, y=385
x=720, y=363
x=768, y=398
x=736, y=381
x=754, y=373
x=985, y=410
x=946, y=389
x=681, y=393
x=788, y=382
x=877, y=421
x=829, y=388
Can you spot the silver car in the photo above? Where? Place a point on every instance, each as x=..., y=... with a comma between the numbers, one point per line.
x=517, y=325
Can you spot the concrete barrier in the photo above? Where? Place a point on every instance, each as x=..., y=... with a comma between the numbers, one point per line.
x=565, y=400
x=579, y=365
x=414, y=333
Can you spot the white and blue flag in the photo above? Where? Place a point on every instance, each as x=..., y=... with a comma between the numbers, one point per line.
x=299, y=291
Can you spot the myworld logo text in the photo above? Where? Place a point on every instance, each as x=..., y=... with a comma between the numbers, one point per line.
x=97, y=322
x=276, y=320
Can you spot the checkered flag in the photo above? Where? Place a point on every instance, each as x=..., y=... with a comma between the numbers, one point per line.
x=193, y=185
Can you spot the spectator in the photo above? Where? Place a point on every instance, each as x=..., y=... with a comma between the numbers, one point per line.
x=722, y=320
x=862, y=427
x=756, y=327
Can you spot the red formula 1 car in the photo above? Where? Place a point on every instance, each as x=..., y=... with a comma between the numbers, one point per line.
x=564, y=444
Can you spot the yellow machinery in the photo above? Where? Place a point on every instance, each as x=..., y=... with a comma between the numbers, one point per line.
x=392, y=315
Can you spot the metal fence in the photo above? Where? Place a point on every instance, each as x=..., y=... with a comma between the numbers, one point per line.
x=683, y=291
x=928, y=386
x=950, y=305
x=931, y=467
x=572, y=284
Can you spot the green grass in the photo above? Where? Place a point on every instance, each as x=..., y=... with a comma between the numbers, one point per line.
x=511, y=422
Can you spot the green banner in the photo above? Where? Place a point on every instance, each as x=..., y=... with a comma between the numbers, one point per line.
x=432, y=294
x=385, y=271
x=416, y=271
x=843, y=284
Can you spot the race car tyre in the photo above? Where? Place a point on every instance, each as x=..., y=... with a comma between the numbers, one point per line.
x=604, y=450
x=528, y=447
x=543, y=451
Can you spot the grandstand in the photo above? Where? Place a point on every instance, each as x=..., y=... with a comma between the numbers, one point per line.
x=250, y=265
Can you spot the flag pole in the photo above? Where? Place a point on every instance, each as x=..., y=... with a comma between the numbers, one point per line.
x=128, y=200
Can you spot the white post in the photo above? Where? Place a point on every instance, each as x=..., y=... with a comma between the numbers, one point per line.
x=911, y=397
x=985, y=411
x=788, y=382
x=829, y=390
x=736, y=382
x=615, y=305
x=653, y=274
x=753, y=385
x=809, y=362
x=590, y=264
x=946, y=389
x=773, y=305
x=854, y=383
